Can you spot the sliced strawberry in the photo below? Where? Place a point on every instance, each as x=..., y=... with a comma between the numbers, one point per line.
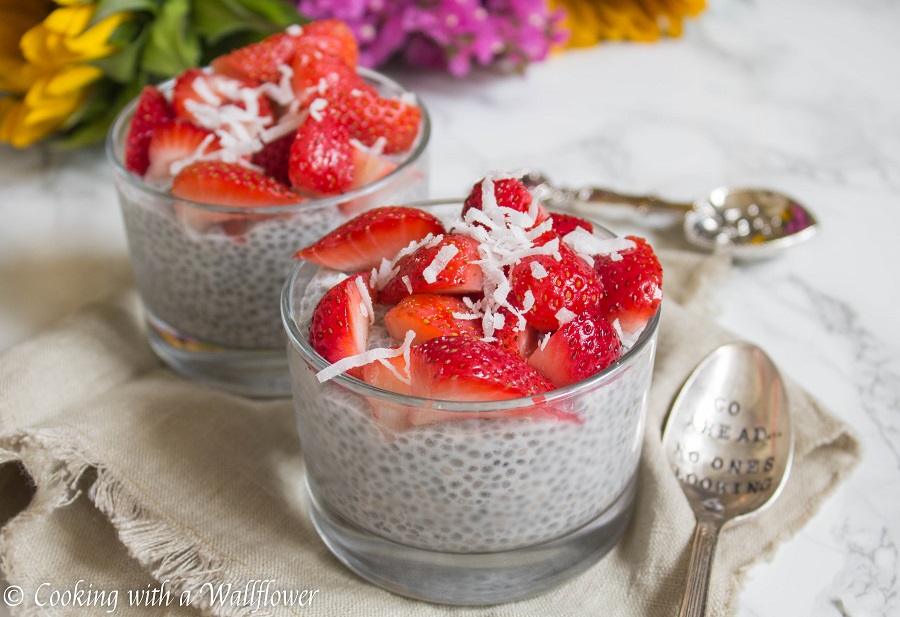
x=447, y=266
x=632, y=285
x=369, y=167
x=151, y=111
x=325, y=77
x=334, y=37
x=371, y=117
x=321, y=161
x=195, y=90
x=340, y=323
x=230, y=184
x=175, y=140
x=567, y=285
x=566, y=223
x=226, y=184
x=274, y=158
x=508, y=193
x=362, y=242
x=578, y=349
x=430, y=316
x=258, y=62
x=513, y=340
x=462, y=368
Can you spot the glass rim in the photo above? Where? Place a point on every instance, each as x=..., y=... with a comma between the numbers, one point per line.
x=120, y=125
x=300, y=343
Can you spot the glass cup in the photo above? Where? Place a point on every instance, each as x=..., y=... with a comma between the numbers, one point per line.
x=481, y=503
x=211, y=296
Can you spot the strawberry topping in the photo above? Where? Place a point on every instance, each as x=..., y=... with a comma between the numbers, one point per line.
x=362, y=242
x=430, y=316
x=462, y=368
x=152, y=111
x=578, y=349
x=446, y=266
x=321, y=160
x=632, y=285
x=340, y=321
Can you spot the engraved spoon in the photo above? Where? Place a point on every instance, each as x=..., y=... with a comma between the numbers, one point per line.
x=729, y=440
x=748, y=223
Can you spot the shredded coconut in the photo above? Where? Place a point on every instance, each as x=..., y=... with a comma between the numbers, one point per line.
x=443, y=257
x=537, y=270
x=564, y=316
x=366, y=307
x=316, y=108
x=407, y=283
x=371, y=355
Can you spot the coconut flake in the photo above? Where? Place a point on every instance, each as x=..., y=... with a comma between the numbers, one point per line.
x=543, y=339
x=537, y=270
x=407, y=283
x=365, y=305
x=294, y=30
x=564, y=316
x=370, y=355
x=316, y=108
x=440, y=261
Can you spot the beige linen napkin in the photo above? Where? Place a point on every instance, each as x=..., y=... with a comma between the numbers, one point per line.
x=141, y=481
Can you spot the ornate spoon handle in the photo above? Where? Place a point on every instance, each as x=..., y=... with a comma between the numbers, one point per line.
x=563, y=198
x=703, y=550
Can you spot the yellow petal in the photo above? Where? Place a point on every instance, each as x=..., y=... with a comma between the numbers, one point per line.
x=94, y=43
x=72, y=79
x=70, y=20
x=14, y=129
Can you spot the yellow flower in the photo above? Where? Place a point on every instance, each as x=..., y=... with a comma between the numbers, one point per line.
x=592, y=21
x=44, y=62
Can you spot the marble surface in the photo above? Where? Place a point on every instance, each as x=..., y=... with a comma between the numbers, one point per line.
x=798, y=95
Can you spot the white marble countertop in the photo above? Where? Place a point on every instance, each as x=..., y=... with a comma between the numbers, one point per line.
x=796, y=95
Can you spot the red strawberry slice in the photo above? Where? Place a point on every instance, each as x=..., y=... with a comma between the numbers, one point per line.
x=632, y=285
x=151, y=111
x=274, y=158
x=369, y=167
x=462, y=368
x=566, y=223
x=391, y=416
x=226, y=184
x=329, y=78
x=447, y=266
x=332, y=37
x=175, y=140
x=430, y=316
x=554, y=285
x=578, y=349
x=258, y=62
x=195, y=87
x=508, y=193
x=362, y=242
x=513, y=340
x=371, y=117
x=340, y=323
x=321, y=160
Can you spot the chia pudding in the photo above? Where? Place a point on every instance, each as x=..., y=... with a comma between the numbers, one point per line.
x=219, y=289
x=508, y=478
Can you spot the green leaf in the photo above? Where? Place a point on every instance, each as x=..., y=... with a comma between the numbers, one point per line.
x=173, y=45
x=217, y=19
x=105, y=8
x=99, y=114
x=122, y=66
x=280, y=14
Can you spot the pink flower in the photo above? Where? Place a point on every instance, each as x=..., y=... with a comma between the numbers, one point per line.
x=451, y=34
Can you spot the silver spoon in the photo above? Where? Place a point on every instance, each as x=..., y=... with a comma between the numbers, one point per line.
x=745, y=222
x=729, y=440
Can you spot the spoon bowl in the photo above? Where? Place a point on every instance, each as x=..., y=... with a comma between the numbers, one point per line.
x=748, y=223
x=729, y=441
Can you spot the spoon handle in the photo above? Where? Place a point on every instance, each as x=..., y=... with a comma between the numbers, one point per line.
x=641, y=202
x=706, y=535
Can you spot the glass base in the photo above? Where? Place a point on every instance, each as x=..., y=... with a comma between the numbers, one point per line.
x=476, y=578
x=257, y=373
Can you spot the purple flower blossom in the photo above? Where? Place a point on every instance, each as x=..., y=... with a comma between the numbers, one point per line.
x=452, y=34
